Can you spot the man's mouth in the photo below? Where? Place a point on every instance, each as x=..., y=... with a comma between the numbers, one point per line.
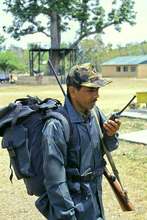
x=94, y=101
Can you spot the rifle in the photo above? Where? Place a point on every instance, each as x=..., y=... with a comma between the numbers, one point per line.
x=119, y=192
x=113, y=180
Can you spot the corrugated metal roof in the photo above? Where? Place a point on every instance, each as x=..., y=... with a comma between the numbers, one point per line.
x=127, y=60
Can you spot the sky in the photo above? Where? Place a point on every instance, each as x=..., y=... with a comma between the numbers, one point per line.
x=128, y=34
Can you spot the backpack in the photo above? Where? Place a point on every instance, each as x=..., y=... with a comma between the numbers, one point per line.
x=21, y=125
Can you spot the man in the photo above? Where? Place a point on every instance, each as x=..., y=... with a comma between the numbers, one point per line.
x=73, y=169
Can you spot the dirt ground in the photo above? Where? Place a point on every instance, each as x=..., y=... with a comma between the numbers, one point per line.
x=131, y=159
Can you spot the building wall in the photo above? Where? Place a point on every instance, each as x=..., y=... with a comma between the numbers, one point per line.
x=32, y=80
x=142, y=71
x=111, y=71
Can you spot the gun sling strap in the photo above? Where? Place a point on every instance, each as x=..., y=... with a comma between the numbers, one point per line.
x=108, y=154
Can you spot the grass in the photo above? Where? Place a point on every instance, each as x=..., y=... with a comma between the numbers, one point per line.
x=131, y=159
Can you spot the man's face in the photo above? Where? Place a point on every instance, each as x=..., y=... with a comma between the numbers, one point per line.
x=85, y=98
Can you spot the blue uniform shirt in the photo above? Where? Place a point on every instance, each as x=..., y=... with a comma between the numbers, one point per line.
x=68, y=198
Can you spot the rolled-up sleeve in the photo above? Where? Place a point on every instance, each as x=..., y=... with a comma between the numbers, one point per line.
x=54, y=156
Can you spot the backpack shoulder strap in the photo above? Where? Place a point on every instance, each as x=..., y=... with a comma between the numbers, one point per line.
x=62, y=116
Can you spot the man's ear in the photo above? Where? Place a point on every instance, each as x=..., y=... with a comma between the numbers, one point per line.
x=72, y=91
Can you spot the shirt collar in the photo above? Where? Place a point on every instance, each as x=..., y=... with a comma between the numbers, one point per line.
x=75, y=116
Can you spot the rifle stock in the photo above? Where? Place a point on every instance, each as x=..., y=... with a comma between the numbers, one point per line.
x=120, y=194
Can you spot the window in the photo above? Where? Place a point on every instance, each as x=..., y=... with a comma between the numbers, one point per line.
x=133, y=68
x=125, y=68
x=118, y=68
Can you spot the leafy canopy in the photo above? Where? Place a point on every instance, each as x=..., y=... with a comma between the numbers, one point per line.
x=9, y=62
x=32, y=16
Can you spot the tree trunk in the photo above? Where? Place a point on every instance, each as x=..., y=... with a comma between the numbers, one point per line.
x=55, y=40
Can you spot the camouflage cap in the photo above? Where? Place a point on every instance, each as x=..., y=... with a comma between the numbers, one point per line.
x=85, y=75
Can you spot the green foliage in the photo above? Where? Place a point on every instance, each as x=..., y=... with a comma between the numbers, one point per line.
x=94, y=50
x=2, y=40
x=52, y=18
x=10, y=62
x=91, y=51
x=33, y=46
x=91, y=16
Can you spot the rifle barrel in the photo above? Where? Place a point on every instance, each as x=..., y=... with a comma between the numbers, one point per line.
x=55, y=74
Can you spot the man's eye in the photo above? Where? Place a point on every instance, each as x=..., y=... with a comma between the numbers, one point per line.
x=91, y=90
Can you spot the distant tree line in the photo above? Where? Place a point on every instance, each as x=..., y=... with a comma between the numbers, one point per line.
x=89, y=50
x=95, y=51
x=53, y=18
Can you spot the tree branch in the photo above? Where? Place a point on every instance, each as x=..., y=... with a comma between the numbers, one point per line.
x=36, y=25
x=90, y=33
x=35, y=32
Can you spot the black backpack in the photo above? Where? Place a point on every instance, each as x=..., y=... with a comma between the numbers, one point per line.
x=21, y=125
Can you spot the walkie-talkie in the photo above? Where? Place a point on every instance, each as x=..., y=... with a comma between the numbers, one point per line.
x=117, y=114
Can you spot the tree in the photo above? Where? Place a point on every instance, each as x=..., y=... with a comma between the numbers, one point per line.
x=90, y=15
x=10, y=62
x=91, y=50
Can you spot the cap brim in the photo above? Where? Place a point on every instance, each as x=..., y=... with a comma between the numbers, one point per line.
x=97, y=84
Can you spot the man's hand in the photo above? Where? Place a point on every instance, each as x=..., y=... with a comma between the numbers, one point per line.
x=111, y=127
